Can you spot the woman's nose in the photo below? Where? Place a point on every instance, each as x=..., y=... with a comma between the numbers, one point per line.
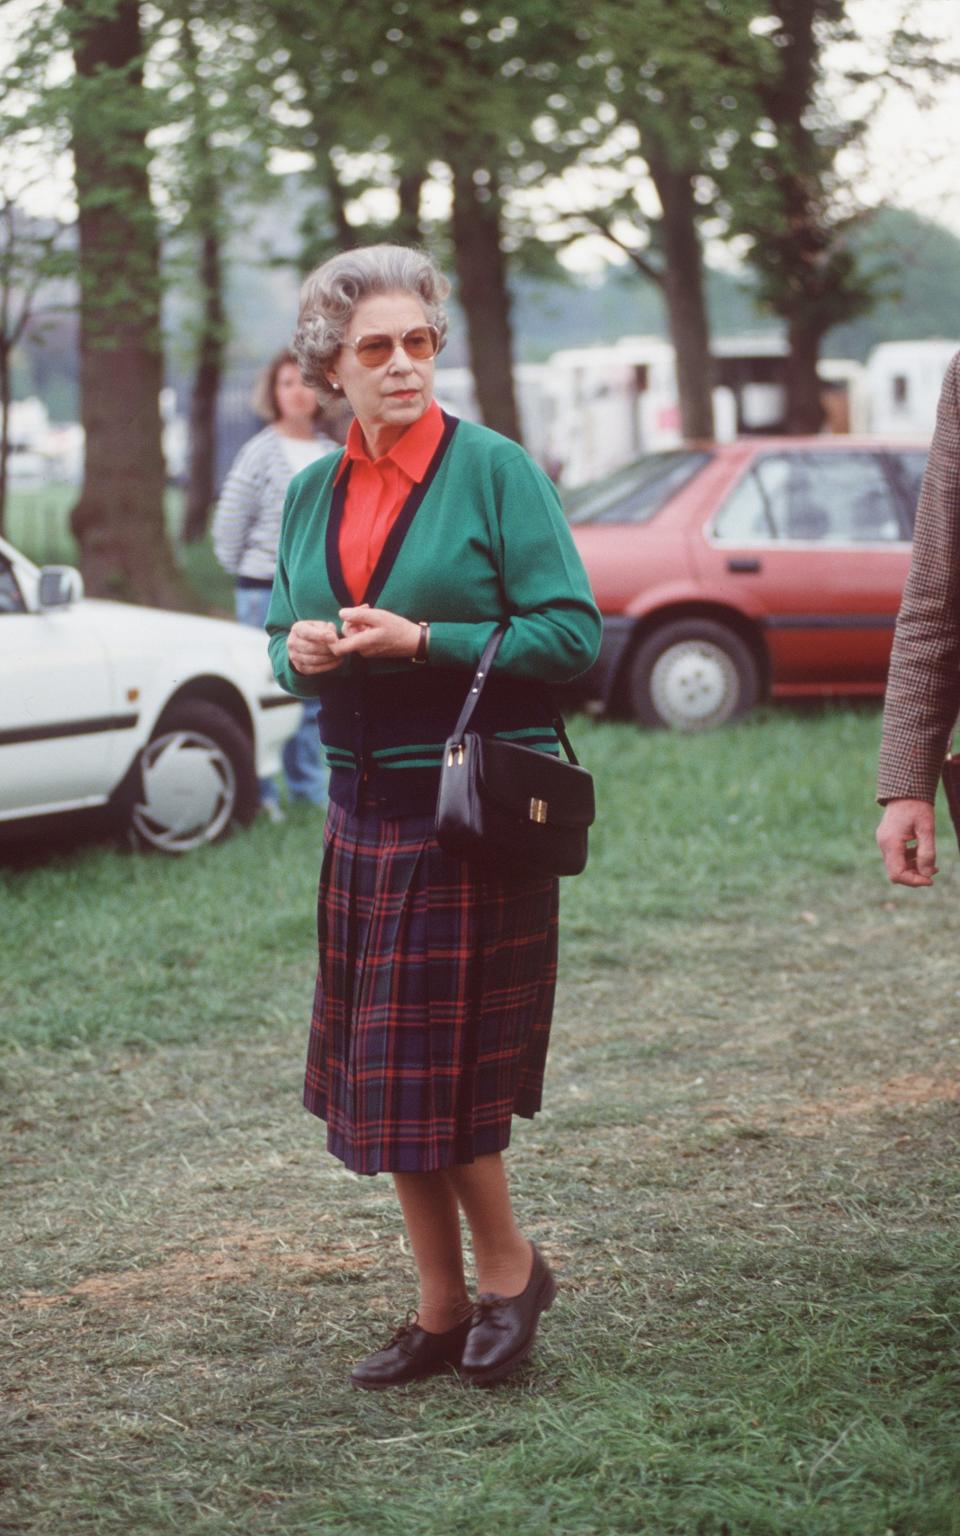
x=400, y=362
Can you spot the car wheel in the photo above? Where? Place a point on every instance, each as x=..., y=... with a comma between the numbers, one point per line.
x=196, y=776
x=692, y=675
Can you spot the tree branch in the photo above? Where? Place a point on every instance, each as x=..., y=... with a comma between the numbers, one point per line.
x=636, y=256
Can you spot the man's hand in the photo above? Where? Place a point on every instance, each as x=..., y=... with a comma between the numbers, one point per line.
x=377, y=632
x=310, y=646
x=907, y=840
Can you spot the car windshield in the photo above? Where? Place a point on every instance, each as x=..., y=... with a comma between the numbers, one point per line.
x=637, y=492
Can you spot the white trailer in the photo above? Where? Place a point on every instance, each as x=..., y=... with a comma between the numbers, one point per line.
x=903, y=385
x=606, y=405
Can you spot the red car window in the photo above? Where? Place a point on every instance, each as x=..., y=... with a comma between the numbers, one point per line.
x=637, y=492
x=836, y=497
x=909, y=465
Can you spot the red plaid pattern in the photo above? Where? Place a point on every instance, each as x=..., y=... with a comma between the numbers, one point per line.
x=433, y=1001
x=923, y=686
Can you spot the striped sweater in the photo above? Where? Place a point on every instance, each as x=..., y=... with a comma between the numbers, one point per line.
x=482, y=540
x=246, y=524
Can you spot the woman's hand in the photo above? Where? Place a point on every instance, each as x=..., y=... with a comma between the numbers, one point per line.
x=311, y=646
x=377, y=632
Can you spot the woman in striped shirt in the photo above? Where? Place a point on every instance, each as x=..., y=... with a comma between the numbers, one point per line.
x=246, y=531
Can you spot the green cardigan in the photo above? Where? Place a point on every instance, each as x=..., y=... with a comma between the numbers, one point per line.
x=482, y=540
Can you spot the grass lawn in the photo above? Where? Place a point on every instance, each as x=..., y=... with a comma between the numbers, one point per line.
x=746, y=1175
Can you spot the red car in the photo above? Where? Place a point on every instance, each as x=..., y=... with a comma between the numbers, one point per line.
x=729, y=573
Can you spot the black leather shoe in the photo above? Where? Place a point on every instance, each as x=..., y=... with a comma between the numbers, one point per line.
x=411, y=1354
x=504, y=1327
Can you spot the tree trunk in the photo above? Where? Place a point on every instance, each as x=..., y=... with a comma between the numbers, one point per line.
x=683, y=288
x=482, y=280
x=118, y=521
x=205, y=219
x=409, y=189
x=202, y=450
x=801, y=239
x=805, y=411
x=813, y=287
x=346, y=234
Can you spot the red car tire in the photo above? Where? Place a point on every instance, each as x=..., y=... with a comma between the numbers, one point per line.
x=692, y=675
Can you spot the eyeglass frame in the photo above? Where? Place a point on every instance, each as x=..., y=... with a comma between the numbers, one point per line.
x=398, y=341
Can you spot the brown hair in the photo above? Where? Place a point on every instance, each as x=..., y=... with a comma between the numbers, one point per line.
x=265, y=389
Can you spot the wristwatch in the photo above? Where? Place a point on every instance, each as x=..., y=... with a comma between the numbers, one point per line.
x=420, y=654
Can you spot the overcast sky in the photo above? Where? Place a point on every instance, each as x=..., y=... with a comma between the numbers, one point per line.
x=914, y=152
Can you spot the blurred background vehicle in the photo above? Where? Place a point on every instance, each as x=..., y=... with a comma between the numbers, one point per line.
x=729, y=573
x=157, y=722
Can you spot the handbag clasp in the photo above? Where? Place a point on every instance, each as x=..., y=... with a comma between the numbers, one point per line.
x=538, y=810
x=455, y=755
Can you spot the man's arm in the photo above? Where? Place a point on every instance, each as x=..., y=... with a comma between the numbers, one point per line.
x=923, y=687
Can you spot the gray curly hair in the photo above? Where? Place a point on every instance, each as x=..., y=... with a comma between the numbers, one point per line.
x=332, y=292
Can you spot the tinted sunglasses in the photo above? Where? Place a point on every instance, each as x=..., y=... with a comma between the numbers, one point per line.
x=419, y=343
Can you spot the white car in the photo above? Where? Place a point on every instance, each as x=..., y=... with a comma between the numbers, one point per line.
x=164, y=720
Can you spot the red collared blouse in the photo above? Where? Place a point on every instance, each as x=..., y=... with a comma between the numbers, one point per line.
x=377, y=490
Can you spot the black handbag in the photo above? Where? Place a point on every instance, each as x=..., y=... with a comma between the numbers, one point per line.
x=508, y=807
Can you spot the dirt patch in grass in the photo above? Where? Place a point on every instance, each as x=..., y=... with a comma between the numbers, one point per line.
x=912, y=1091
x=852, y=1101
x=235, y=1255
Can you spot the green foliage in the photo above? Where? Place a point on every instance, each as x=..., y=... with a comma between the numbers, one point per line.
x=790, y=195
x=670, y=79
x=375, y=93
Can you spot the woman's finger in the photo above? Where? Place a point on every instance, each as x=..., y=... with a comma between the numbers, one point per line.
x=364, y=638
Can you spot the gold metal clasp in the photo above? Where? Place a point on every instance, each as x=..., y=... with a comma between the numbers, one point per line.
x=455, y=755
x=538, y=810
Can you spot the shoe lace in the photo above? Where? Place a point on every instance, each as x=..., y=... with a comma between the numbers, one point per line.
x=410, y=1322
x=488, y=1309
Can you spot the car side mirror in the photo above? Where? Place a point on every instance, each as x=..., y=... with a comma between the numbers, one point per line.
x=60, y=585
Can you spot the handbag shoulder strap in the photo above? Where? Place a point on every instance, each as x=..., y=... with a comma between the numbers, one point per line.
x=477, y=686
x=564, y=738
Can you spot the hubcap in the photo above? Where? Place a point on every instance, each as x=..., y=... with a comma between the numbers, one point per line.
x=189, y=792
x=694, y=685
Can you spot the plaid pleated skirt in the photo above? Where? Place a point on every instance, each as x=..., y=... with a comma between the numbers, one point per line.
x=433, y=1000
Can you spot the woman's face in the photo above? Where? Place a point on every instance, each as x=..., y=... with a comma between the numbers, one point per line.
x=296, y=401
x=387, y=399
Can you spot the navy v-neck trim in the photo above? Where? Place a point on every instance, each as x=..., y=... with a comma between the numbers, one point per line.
x=395, y=537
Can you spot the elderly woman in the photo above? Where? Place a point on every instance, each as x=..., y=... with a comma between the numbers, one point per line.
x=398, y=558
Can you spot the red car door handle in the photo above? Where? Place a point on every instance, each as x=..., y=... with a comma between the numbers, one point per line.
x=744, y=567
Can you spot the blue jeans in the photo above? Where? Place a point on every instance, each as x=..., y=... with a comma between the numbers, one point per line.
x=303, y=766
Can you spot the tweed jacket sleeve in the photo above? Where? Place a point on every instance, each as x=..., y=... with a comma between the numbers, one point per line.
x=923, y=686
